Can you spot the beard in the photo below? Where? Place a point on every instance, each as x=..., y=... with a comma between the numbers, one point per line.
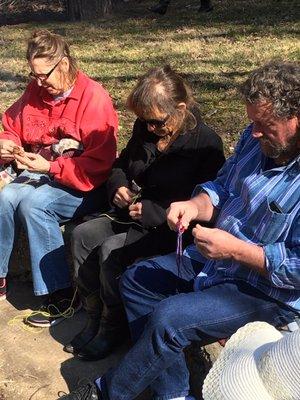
x=279, y=151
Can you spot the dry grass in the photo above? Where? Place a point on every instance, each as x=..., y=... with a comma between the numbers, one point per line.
x=214, y=51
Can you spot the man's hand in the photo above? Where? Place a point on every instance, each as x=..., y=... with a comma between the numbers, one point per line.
x=32, y=162
x=123, y=197
x=135, y=211
x=215, y=243
x=8, y=149
x=183, y=211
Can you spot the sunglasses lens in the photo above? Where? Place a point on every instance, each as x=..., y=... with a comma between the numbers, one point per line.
x=157, y=123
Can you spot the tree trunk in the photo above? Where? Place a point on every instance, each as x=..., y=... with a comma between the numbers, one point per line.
x=78, y=10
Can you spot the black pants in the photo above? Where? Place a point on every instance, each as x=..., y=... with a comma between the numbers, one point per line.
x=97, y=248
x=102, y=249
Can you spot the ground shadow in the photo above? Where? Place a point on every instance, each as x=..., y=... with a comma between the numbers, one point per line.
x=250, y=12
x=20, y=295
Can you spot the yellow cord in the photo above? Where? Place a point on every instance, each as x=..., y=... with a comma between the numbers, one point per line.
x=119, y=222
x=135, y=197
x=68, y=313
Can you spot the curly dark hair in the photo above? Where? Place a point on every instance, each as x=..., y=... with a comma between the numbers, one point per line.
x=277, y=82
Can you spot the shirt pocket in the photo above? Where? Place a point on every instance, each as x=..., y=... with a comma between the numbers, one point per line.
x=270, y=223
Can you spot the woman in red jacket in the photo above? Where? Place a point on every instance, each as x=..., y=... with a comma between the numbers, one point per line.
x=61, y=135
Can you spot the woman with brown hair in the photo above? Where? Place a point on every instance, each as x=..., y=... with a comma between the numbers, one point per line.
x=61, y=136
x=169, y=152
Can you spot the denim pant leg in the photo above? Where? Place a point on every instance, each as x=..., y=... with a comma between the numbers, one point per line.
x=177, y=320
x=10, y=197
x=41, y=212
x=164, y=280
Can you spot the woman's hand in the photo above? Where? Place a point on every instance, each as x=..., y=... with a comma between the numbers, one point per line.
x=123, y=197
x=32, y=162
x=135, y=211
x=8, y=148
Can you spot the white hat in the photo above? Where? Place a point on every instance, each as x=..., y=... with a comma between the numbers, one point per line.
x=257, y=363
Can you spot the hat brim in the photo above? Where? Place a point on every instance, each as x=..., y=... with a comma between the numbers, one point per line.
x=234, y=376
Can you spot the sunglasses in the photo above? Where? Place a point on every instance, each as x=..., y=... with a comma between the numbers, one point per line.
x=157, y=123
x=43, y=77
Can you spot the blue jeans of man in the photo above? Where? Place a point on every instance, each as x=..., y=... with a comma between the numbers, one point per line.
x=165, y=315
x=40, y=205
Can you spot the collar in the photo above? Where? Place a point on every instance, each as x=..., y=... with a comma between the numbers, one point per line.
x=294, y=164
x=75, y=93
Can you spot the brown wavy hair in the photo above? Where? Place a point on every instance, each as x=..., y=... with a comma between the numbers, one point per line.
x=162, y=89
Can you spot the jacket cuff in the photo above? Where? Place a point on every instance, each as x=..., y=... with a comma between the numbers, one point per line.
x=54, y=168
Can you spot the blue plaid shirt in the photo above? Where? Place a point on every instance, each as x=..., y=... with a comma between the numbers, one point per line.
x=258, y=203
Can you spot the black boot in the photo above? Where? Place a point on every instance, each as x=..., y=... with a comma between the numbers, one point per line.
x=102, y=345
x=206, y=6
x=160, y=8
x=113, y=332
x=93, y=307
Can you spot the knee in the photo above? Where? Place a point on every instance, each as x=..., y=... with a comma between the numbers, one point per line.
x=165, y=328
x=30, y=206
x=104, y=251
x=77, y=236
x=110, y=252
x=165, y=315
x=7, y=197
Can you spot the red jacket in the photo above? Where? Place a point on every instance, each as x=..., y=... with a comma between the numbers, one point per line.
x=86, y=115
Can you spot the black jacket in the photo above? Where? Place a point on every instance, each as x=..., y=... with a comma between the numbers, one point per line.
x=194, y=157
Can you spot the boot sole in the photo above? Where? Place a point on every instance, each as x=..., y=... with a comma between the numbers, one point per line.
x=75, y=350
x=84, y=357
x=97, y=357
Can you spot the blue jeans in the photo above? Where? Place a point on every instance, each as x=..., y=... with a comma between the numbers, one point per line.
x=40, y=205
x=165, y=315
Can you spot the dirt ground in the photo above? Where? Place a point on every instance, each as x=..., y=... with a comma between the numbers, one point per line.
x=33, y=366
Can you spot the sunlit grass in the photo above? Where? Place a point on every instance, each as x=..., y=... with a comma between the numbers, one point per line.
x=215, y=52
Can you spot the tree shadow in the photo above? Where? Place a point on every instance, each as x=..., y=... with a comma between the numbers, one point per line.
x=12, y=82
x=258, y=14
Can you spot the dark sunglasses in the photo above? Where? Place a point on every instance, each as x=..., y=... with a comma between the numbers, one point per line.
x=157, y=123
x=43, y=77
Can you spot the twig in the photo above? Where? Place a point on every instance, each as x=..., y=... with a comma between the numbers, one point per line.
x=34, y=393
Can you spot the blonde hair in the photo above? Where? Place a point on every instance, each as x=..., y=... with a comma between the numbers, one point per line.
x=45, y=44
